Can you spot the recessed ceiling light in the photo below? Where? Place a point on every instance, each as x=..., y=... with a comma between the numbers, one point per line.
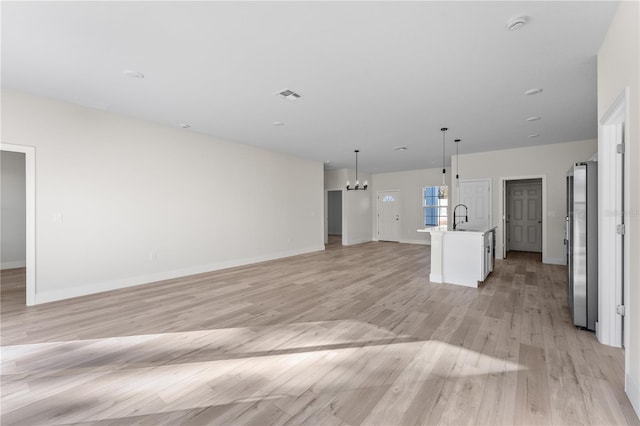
x=327, y=162
x=516, y=23
x=185, y=125
x=535, y=91
x=289, y=95
x=533, y=135
x=533, y=118
x=278, y=123
x=133, y=74
x=400, y=148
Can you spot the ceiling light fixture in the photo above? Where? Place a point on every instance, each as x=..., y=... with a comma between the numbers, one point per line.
x=535, y=91
x=444, y=171
x=457, y=141
x=357, y=187
x=516, y=23
x=533, y=135
x=400, y=148
x=185, y=125
x=289, y=95
x=533, y=118
x=278, y=123
x=133, y=74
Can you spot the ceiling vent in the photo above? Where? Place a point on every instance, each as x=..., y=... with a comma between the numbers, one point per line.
x=289, y=94
x=516, y=23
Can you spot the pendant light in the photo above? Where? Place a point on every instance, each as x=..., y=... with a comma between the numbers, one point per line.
x=444, y=171
x=457, y=141
x=357, y=187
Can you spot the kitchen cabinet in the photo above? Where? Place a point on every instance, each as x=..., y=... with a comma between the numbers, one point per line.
x=461, y=257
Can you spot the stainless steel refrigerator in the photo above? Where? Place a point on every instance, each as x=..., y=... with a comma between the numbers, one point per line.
x=581, y=239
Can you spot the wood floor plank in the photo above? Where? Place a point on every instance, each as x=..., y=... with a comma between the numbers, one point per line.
x=351, y=335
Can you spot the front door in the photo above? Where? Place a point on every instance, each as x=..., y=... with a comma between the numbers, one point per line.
x=389, y=216
x=525, y=216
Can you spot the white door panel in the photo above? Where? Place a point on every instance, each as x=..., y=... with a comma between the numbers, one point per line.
x=476, y=195
x=389, y=216
x=524, y=218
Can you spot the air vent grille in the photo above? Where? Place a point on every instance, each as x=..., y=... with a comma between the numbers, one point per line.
x=289, y=94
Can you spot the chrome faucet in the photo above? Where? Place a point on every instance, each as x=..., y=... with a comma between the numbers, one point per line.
x=466, y=215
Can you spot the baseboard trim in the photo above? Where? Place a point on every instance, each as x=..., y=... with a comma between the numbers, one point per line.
x=68, y=293
x=632, y=389
x=358, y=241
x=435, y=278
x=13, y=265
x=421, y=242
x=554, y=260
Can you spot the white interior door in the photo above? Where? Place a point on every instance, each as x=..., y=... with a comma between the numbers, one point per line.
x=389, y=216
x=524, y=218
x=476, y=196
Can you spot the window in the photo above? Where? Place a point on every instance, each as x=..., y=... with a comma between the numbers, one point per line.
x=435, y=202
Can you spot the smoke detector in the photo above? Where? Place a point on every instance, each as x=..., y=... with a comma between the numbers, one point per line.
x=534, y=91
x=133, y=74
x=289, y=95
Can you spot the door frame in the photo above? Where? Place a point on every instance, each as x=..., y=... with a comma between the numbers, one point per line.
x=30, y=190
x=507, y=229
x=378, y=213
x=609, y=326
x=503, y=215
x=326, y=214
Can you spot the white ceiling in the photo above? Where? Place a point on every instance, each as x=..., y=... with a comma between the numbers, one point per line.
x=372, y=75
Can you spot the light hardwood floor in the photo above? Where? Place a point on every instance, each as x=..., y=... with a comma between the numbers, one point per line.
x=352, y=335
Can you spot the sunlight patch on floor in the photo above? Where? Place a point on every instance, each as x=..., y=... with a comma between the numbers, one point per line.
x=186, y=370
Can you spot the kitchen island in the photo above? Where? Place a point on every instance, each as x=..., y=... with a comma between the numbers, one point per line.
x=463, y=257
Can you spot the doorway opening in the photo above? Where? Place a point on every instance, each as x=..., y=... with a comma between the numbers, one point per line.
x=18, y=218
x=523, y=212
x=334, y=217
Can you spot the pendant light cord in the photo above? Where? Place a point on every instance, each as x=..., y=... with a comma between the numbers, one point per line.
x=457, y=141
x=444, y=172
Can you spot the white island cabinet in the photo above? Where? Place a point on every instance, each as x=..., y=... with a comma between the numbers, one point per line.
x=462, y=257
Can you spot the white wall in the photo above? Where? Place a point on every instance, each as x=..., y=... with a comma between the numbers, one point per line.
x=335, y=179
x=410, y=185
x=121, y=201
x=356, y=205
x=550, y=161
x=619, y=68
x=13, y=231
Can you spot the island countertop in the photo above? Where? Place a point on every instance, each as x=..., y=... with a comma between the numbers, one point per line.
x=442, y=229
x=462, y=257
